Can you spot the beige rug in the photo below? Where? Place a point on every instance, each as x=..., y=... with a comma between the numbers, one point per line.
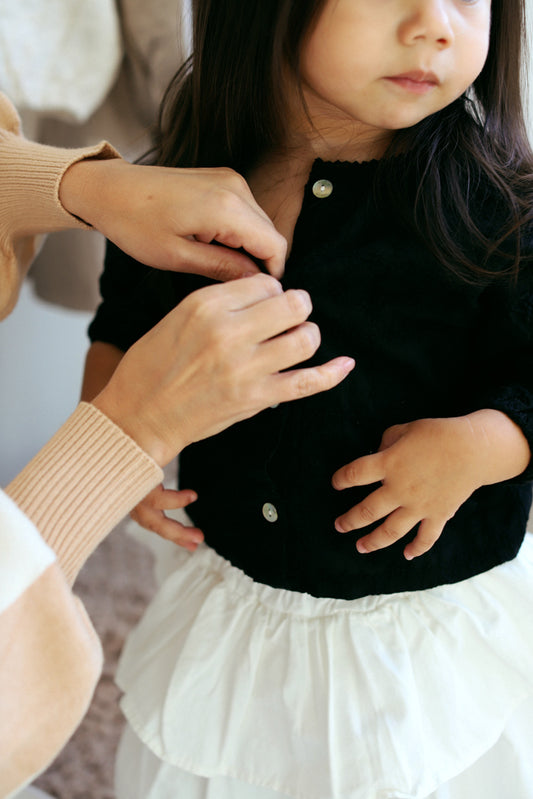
x=115, y=585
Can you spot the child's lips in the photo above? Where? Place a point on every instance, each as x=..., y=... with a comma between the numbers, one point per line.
x=417, y=81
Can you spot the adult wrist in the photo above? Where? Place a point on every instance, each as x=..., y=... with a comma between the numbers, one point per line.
x=82, y=188
x=139, y=427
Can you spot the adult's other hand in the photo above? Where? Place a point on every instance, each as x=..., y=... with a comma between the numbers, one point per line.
x=170, y=218
x=217, y=358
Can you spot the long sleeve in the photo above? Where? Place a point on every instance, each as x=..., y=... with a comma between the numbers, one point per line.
x=83, y=481
x=50, y=656
x=58, y=510
x=30, y=175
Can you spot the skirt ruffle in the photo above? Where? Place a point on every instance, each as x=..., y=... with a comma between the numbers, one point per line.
x=317, y=698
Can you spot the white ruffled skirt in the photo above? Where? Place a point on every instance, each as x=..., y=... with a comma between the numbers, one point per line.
x=236, y=690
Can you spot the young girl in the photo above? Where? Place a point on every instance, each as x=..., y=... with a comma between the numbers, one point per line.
x=358, y=622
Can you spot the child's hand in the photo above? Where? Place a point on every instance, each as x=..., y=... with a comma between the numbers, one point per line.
x=427, y=470
x=150, y=514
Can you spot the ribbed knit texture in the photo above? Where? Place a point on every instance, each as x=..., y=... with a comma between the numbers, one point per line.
x=79, y=486
x=30, y=175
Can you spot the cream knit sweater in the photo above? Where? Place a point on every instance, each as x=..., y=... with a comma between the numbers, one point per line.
x=73, y=493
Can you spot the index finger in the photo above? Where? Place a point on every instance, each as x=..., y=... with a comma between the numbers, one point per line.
x=238, y=295
x=251, y=230
x=364, y=471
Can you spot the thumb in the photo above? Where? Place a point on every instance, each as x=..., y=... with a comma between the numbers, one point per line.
x=213, y=261
x=391, y=436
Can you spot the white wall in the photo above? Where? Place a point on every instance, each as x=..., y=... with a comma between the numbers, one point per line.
x=42, y=349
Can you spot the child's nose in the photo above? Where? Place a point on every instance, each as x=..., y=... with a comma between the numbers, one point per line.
x=427, y=21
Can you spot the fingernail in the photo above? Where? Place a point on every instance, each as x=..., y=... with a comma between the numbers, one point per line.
x=408, y=556
x=338, y=526
x=361, y=548
x=348, y=364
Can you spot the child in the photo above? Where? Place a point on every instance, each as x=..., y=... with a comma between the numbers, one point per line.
x=358, y=624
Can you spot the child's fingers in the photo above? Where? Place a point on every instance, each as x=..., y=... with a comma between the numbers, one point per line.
x=395, y=526
x=376, y=506
x=150, y=514
x=364, y=471
x=156, y=522
x=392, y=435
x=162, y=498
x=170, y=499
x=428, y=532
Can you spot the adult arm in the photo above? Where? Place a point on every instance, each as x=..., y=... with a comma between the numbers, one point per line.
x=50, y=655
x=30, y=175
x=166, y=218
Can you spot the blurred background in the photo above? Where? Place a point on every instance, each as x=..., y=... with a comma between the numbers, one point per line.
x=80, y=71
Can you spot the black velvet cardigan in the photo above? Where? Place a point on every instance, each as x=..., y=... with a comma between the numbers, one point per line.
x=426, y=343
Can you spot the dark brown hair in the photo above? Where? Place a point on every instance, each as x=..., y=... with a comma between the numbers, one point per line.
x=225, y=107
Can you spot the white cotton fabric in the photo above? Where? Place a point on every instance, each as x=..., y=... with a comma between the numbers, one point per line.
x=506, y=770
x=378, y=698
x=24, y=556
x=59, y=57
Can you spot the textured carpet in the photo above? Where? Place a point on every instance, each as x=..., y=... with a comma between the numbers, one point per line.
x=115, y=585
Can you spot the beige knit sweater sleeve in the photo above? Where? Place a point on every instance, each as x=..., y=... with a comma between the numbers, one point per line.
x=74, y=491
x=30, y=175
x=79, y=486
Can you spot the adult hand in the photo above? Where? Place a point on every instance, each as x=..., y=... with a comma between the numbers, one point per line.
x=215, y=359
x=167, y=218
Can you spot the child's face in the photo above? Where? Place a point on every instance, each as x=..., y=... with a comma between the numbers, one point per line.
x=389, y=63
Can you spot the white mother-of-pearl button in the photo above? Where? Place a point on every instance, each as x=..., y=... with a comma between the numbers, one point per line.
x=322, y=188
x=269, y=512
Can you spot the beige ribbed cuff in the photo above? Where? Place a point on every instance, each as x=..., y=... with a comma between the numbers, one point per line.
x=79, y=486
x=31, y=174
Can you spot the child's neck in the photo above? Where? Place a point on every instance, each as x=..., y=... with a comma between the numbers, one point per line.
x=278, y=181
x=315, y=131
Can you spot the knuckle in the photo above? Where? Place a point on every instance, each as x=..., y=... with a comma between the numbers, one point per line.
x=227, y=200
x=350, y=476
x=139, y=514
x=305, y=384
x=221, y=269
x=306, y=341
x=270, y=284
x=232, y=178
x=367, y=514
x=267, y=285
x=201, y=307
x=389, y=533
x=299, y=302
